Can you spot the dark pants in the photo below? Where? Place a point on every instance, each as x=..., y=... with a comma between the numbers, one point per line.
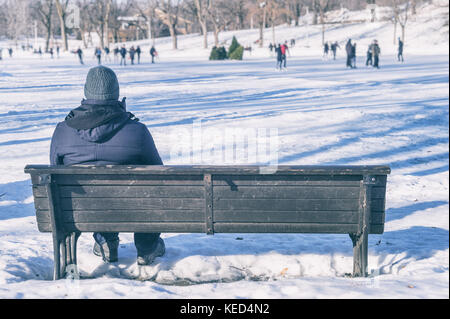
x=369, y=59
x=145, y=242
x=400, y=56
x=349, y=61
x=279, y=63
x=377, y=60
x=284, y=59
x=153, y=59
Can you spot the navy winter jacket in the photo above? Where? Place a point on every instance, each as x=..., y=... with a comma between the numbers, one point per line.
x=102, y=133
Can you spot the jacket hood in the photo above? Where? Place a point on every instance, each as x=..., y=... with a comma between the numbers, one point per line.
x=99, y=120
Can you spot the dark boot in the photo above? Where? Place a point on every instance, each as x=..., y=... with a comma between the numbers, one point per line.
x=107, y=247
x=149, y=258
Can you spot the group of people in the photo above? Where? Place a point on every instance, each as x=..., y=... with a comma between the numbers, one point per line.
x=373, y=54
x=281, y=52
x=119, y=54
x=327, y=47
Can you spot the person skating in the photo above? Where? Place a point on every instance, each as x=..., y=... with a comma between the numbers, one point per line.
x=334, y=47
x=326, y=49
x=132, y=53
x=116, y=54
x=138, y=52
x=400, y=51
x=57, y=51
x=376, y=51
x=51, y=52
x=107, y=51
x=369, y=60
x=102, y=132
x=123, y=55
x=153, y=53
x=284, y=52
x=348, y=50
x=79, y=52
x=98, y=55
x=10, y=51
x=279, y=57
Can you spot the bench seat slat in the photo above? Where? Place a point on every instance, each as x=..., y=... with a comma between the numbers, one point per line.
x=284, y=228
x=285, y=192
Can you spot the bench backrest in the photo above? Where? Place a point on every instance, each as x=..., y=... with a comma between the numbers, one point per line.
x=210, y=199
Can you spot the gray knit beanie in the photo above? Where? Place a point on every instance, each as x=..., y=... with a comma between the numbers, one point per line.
x=101, y=84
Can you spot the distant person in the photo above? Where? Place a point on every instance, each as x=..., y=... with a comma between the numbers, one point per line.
x=279, y=55
x=376, y=51
x=292, y=42
x=349, y=50
x=400, y=51
x=57, y=51
x=116, y=54
x=138, y=52
x=354, y=55
x=326, y=49
x=369, y=60
x=334, y=47
x=10, y=51
x=1, y=54
x=123, y=55
x=132, y=52
x=284, y=51
x=51, y=52
x=271, y=47
x=98, y=55
x=107, y=51
x=153, y=53
x=102, y=123
x=40, y=52
x=79, y=52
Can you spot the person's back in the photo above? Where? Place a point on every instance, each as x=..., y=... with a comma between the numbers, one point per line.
x=102, y=132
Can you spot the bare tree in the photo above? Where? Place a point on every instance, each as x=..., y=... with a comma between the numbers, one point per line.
x=169, y=13
x=322, y=6
x=61, y=8
x=100, y=12
x=400, y=10
x=295, y=8
x=146, y=10
x=220, y=16
x=44, y=10
x=203, y=8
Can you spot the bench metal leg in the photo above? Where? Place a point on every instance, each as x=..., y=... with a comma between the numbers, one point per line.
x=360, y=254
x=65, y=255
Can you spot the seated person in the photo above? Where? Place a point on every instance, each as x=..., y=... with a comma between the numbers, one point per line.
x=102, y=132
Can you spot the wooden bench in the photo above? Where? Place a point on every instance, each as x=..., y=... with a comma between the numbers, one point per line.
x=208, y=199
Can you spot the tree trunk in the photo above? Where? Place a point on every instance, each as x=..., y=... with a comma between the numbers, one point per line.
x=61, y=15
x=173, y=34
x=216, y=37
x=395, y=32
x=261, y=35
x=205, y=34
x=403, y=33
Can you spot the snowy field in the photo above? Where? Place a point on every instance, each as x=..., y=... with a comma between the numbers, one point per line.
x=324, y=113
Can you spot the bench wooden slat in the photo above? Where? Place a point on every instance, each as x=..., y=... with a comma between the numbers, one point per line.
x=286, y=204
x=285, y=192
x=130, y=180
x=286, y=216
x=284, y=228
x=123, y=204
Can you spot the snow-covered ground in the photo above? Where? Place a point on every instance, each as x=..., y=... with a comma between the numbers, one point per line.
x=324, y=113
